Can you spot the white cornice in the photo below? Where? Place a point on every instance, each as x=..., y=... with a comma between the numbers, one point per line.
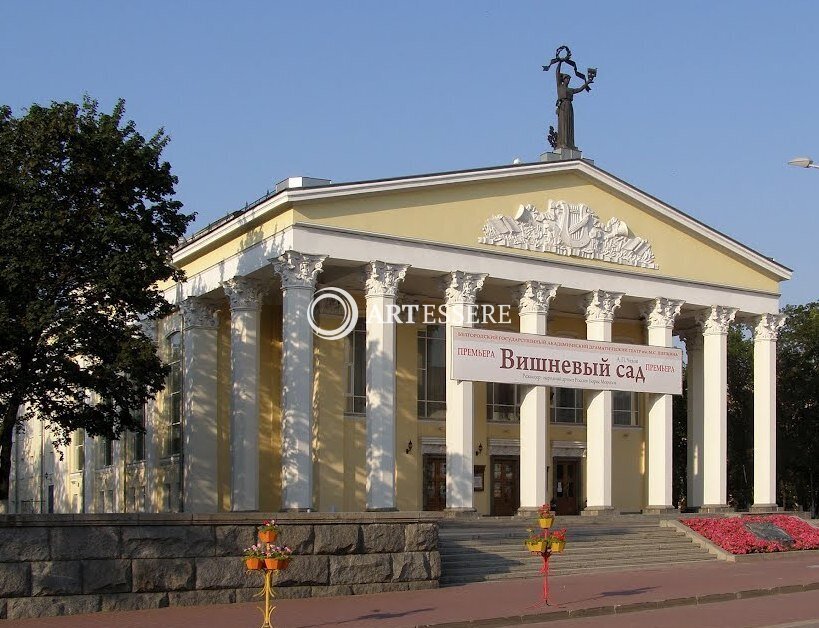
x=270, y=206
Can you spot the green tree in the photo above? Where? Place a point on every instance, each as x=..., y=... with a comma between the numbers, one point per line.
x=798, y=407
x=740, y=463
x=87, y=227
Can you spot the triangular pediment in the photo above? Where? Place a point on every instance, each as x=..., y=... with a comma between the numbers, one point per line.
x=558, y=212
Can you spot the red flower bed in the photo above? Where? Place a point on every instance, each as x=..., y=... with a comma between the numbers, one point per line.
x=731, y=534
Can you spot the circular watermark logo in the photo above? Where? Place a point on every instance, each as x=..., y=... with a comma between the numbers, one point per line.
x=345, y=304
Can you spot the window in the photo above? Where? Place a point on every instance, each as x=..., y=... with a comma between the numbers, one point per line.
x=105, y=453
x=567, y=405
x=624, y=407
x=78, y=444
x=135, y=442
x=432, y=372
x=166, y=494
x=503, y=402
x=355, y=364
x=173, y=394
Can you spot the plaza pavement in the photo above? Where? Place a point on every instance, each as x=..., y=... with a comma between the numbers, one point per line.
x=770, y=580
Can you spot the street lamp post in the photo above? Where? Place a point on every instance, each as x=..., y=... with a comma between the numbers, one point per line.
x=803, y=162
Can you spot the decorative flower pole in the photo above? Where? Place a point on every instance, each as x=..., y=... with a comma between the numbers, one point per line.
x=545, y=543
x=268, y=558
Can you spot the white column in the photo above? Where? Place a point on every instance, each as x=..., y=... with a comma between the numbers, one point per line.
x=460, y=289
x=381, y=285
x=695, y=415
x=766, y=331
x=600, y=308
x=660, y=315
x=533, y=309
x=715, y=323
x=245, y=296
x=199, y=408
x=298, y=273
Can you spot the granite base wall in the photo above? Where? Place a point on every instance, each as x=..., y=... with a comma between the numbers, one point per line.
x=70, y=564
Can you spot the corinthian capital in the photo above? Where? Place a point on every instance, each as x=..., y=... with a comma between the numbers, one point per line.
x=716, y=320
x=766, y=326
x=600, y=305
x=198, y=313
x=244, y=293
x=382, y=279
x=461, y=287
x=661, y=312
x=534, y=297
x=298, y=270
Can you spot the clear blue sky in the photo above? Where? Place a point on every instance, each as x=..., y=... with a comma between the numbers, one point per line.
x=699, y=103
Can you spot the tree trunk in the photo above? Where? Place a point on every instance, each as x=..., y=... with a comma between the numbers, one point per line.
x=9, y=420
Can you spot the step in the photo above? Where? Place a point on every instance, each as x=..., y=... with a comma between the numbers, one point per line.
x=533, y=566
x=466, y=579
x=572, y=542
x=489, y=557
x=474, y=544
x=493, y=550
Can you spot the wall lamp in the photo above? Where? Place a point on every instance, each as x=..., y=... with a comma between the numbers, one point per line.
x=409, y=447
x=480, y=449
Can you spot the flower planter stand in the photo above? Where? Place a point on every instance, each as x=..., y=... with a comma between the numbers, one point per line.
x=268, y=566
x=545, y=550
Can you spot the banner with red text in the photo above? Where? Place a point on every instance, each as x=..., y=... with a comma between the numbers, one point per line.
x=485, y=355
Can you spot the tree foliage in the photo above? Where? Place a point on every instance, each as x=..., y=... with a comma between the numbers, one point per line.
x=87, y=227
x=798, y=407
x=740, y=396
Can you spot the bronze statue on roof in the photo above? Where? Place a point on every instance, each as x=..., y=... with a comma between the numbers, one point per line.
x=564, y=137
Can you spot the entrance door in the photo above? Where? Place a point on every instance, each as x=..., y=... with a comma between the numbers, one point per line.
x=505, y=486
x=434, y=482
x=566, y=484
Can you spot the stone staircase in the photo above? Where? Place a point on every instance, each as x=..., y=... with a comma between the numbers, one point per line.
x=486, y=549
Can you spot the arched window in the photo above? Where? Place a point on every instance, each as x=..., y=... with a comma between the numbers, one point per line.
x=173, y=394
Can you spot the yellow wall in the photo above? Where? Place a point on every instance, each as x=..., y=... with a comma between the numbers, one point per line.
x=627, y=478
x=270, y=462
x=223, y=409
x=331, y=455
x=219, y=251
x=408, y=466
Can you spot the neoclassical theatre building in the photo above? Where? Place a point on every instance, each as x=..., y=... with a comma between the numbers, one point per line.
x=260, y=412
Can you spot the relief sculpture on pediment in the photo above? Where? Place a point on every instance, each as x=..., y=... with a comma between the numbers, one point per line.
x=570, y=229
